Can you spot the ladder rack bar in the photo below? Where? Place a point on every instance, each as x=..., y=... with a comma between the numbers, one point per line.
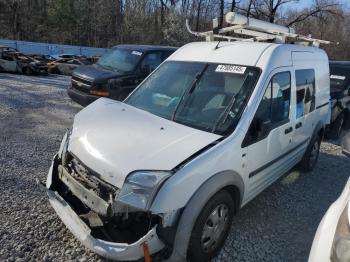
x=255, y=30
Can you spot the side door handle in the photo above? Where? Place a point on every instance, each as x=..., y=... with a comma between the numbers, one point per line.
x=298, y=125
x=288, y=130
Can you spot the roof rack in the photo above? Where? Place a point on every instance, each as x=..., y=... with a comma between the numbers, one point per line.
x=250, y=29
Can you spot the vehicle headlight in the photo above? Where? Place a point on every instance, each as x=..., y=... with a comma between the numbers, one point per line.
x=341, y=242
x=140, y=188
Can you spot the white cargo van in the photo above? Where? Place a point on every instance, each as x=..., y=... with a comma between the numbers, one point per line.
x=206, y=132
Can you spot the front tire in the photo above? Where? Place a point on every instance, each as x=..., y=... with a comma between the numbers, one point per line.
x=211, y=227
x=310, y=157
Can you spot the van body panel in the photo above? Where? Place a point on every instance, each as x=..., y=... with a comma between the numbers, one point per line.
x=226, y=157
x=292, y=146
x=269, y=156
x=238, y=53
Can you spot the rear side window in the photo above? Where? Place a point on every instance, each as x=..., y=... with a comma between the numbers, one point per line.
x=305, y=88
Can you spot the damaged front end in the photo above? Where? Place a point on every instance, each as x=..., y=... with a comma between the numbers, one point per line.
x=88, y=206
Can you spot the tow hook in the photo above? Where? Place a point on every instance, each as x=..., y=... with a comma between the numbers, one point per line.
x=146, y=252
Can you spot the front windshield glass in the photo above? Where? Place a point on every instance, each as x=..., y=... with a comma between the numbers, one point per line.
x=120, y=59
x=209, y=97
x=339, y=76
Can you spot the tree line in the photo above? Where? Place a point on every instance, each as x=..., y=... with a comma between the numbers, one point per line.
x=105, y=23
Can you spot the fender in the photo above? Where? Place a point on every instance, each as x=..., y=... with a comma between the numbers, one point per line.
x=320, y=127
x=225, y=179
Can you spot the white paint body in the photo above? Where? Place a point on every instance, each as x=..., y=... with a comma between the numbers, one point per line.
x=322, y=245
x=123, y=139
x=227, y=155
x=115, y=139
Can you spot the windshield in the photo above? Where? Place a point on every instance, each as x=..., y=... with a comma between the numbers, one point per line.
x=120, y=59
x=209, y=97
x=339, y=76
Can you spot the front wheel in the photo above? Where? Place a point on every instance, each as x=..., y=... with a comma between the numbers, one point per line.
x=211, y=227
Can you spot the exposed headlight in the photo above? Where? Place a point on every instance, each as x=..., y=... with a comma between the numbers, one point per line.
x=140, y=188
x=341, y=242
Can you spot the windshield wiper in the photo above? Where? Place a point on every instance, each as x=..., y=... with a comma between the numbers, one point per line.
x=227, y=111
x=189, y=91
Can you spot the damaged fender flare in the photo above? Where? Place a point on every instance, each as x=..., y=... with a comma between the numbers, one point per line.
x=195, y=205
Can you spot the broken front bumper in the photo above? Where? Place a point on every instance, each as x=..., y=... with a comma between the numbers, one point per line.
x=111, y=250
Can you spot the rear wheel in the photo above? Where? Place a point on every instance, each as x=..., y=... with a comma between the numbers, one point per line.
x=211, y=228
x=310, y=158
x=336, y=127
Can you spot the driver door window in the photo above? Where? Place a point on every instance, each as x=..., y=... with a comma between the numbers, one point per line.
x=273, y=110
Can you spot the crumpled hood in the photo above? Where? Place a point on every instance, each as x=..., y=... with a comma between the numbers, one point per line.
x=114, y=139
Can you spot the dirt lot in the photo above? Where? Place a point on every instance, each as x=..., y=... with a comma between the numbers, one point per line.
x=278, y=225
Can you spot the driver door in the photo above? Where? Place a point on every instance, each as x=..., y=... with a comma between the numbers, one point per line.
x=269, y=137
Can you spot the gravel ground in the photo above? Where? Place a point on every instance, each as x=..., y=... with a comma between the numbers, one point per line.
x=278, y=225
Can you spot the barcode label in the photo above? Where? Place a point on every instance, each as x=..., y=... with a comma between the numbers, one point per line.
x=231, y=69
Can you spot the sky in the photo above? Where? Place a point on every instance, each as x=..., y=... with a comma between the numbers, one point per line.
x=306, y=3
x=298, y=5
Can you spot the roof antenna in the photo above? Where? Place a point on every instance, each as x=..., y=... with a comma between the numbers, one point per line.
x=216, y=31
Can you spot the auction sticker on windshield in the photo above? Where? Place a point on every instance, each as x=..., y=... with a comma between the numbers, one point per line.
x=136, y=53
x=231, y=69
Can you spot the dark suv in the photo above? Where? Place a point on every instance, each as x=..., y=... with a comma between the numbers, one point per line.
x=340, y=96
x=116, y=73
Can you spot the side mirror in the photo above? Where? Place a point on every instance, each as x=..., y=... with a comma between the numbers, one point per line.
x=346, y=144
x=265, y=127
x=262, y=127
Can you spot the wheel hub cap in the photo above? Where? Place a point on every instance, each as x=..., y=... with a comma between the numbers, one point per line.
x=214, y=227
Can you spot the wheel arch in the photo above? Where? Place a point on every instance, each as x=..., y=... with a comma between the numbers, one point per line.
x=319, y=130
x=226, y=180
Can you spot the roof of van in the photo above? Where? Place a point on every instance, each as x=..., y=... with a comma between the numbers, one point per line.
x=242, y=53
x=145, y=48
